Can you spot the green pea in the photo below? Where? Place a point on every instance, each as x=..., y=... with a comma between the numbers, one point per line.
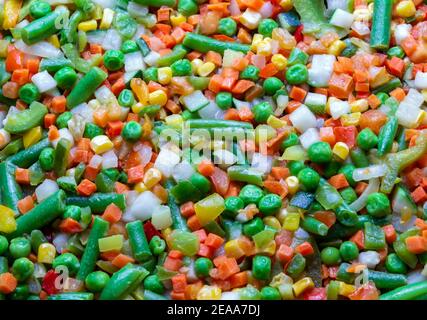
x=297, y=56
x=96, y=281
x=266, y=27
x=68, y=260
x=295, y=167
x=330, y=256
x=253, y=226
x=46, y=159
x=261, y=267
x=157, y=245
x=4, y=244
x=224, y=100
x=200, y=182
x=29, y=93
x=251, y=194
x=272, y=85
x=126, y=98
x=297, y=74
x=73, y=212
x=320, y=152
x=22, y=269
x=112, y=173
x=233, y=205
x=309, y=178
x=21, y=292
x=20, y=247
x=63, y=118
x=227, y=26
x=394, y=264
x=132, y=131
x=250, y=73
x=114, y=60
x=366, y=139
x=378, y=205
x=270, y=293
x=181, y=67
x=153, y=283
x=249, y=293
x=395, y=52
x=262, y=111
x=291, y=140
x=347, y=171
x=349, y=251
x=150, y=74
x=202, y=266
x=129, y=46
x=39, y=9
x=65, y=77
x=349, y=195
x=92, y=130
x=187, y=7
x=270, y=204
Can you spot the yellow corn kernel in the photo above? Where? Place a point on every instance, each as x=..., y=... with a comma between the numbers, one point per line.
x=264, y=48
x=421, y=117
x=46, y=253
x=164, y=75
x=166, y=233
x=87, y=25
x=301, y=285
x=286, y=5
x=11, y=13
x=209, y=293
x=269, y=249
x=195, y=64
x=341, y=150
x=111, y=243
x=158, y=97
x=275, y=122
x=174, y=120
x=405, y=9
x=336, y=47
x=137, y=107
x=233, y=250
x=53, y=40
x=291, y=222
x=101, y=144
x=32, y=136
x=7, y=220
x=279, y=61
x=205, y=69
x=256, y=39
x=107, y=19
x=250, y=18
x=351, y=119
x=152, y=177
x=360, y=105
x=177, y=19
x=293, y=184
x=272, y=222
x=140, y=187
x=346, y=289
x=3, y=48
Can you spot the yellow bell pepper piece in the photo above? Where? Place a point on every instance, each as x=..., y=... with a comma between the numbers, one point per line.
x=209, y=208
x=32, y=136
x=7, y=220
x=209, y=293
x=302, y=285
x=46, y=253
x=111, y=243
x=11, y=13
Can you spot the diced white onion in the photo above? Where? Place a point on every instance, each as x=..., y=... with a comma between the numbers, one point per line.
x=224, y=158
x=151, y=58
x=211, y=111
x=338, y=108
x=83, y=110
x=43, y=81
x=134, y=61
x=42, y=49
x=266, y=10
x=302, y=118
x=60, y=241
x=261, y=162
x=166, y=161
x=195, y=101
x=95, y=161
x=374, y=171
x=112, y=40
x=161, y=218
x=230, y=57
x=369, y=258
x=415, y=276
x=64, y=133
x=360, y=202
x=182, y=171
x=421, y=80
x=309, y=137
x=401, y=32
x=109, y=160
x=145, y=152
x=136, y=10
x=342, y=19
x=322, y=66
x=45, y=189
x=104, y=94
x=143, y=206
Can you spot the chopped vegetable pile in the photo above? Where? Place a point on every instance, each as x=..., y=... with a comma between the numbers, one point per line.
x=209, y=149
